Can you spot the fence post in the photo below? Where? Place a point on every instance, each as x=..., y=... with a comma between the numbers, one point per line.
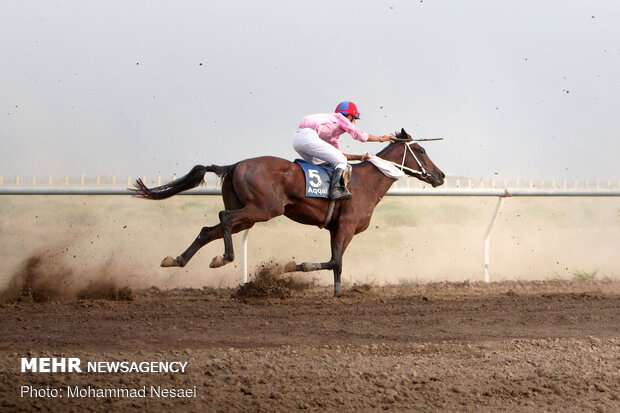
x=97, y=181
x=113, y=180
x=82, y=179
x=244, y=256
x=49, y=180
x=487, y=238
x=1, y=180
x=66, y=180
x=34, y=180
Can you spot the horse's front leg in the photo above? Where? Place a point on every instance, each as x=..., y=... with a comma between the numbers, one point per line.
x=334, y=264
x=339, y=241
x=308, y=266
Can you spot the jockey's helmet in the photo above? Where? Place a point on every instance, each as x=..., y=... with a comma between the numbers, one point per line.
x=348, y=108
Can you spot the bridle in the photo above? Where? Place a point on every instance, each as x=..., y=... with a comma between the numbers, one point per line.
x=423, y=173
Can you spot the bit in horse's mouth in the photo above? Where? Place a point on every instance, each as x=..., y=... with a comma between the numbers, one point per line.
x=436, y=182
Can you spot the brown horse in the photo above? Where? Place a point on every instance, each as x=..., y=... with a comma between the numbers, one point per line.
x=259, y=189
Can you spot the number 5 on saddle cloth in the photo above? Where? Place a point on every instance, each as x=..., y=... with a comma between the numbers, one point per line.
x=318, y=178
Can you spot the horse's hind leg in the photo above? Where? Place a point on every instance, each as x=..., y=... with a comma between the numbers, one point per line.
x=233, y=221
x=227, y=230
x=206, y=235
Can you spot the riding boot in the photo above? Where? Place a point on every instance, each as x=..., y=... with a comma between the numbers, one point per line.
x=337, y=190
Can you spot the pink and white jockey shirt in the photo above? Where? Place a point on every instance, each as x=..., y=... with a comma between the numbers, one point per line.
x=330, y=126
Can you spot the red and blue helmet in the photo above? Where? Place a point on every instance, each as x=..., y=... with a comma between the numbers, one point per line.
x=348, y=108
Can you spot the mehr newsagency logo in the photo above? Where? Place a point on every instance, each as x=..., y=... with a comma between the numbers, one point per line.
x=74, y=365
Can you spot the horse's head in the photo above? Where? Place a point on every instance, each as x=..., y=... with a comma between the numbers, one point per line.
x=413, y=159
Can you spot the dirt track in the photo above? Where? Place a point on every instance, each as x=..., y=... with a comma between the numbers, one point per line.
x=533, y=346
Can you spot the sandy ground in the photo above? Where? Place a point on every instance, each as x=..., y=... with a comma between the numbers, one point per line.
x=507, y=346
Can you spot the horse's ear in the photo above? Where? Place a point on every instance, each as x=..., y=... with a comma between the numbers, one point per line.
x=403, y=133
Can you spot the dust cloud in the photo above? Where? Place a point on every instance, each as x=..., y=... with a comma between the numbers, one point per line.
x=271, y=281
x=410, y=240
x=44, y=276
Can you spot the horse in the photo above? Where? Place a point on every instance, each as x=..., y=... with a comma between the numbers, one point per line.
x=259, y=189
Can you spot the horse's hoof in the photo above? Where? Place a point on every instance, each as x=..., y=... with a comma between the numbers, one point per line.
x=290, y=266
x=337, y=290
x=169, y=262
x=217, y=262
x=310, y=266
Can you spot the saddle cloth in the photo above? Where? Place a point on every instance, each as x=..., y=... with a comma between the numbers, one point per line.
x=318, y=178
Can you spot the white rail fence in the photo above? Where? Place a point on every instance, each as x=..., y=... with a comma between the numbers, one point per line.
x=577, y=189
x=107, y=181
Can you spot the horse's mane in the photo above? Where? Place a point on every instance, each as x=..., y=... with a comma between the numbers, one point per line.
x=402, y=135
x=399, y=135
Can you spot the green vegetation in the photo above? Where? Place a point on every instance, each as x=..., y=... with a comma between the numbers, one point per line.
x=584, y=276
x=463, y=284
x=410, y=213
x=5, y=204
x=408, y=282
x=397, y=213
x=76, y=216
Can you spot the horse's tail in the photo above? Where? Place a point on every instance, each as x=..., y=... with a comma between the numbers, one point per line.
x=194, y=178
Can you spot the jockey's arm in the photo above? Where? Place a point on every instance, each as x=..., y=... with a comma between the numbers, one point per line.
x=371, y=138
x=353, y=157
x=357, y=157
x=384, y=138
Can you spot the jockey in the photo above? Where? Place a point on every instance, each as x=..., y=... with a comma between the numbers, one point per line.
x=316, y=140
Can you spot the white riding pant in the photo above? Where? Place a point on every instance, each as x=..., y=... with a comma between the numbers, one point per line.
x=315, y=150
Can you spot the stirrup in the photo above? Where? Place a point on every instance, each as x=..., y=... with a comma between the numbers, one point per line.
x=340, y=192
